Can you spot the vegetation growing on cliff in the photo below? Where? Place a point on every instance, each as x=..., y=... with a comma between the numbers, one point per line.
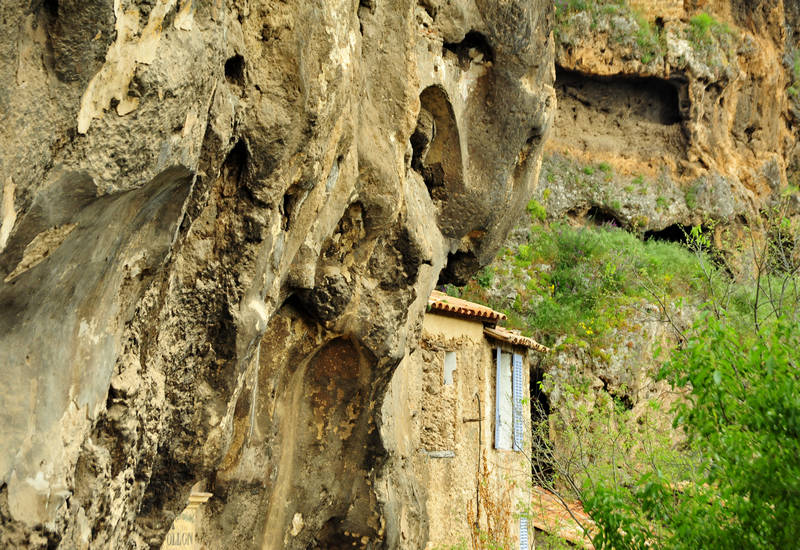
x=708, y=461
x=711, y=40
x=741, y=417
x=570, y=285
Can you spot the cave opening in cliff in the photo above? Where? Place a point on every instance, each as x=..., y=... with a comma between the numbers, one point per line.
x=475, y=46
x=646, y=98
x=603, y=217
x=675, y=233
x=234, y=70
x=51, y=7
x=436, y=145
x=620, y=117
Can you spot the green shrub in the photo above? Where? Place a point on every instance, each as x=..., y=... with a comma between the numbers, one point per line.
x=691, y=194
x=794, y=88
x=536, y=211
x=485, y=277
x=647, y=39
x=742, y=423
x=701, y=25
x=524, y=255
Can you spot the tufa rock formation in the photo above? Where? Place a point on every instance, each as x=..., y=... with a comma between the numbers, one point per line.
x=220, y=222
x=674, y=113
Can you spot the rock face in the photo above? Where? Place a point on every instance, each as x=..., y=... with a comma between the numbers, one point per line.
x=220, y=222
x=673, y=113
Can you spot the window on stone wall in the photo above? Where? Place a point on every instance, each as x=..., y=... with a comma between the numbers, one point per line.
x=509, y=424
x=449, y=367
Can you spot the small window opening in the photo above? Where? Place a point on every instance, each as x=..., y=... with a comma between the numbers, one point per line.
x=449, y=367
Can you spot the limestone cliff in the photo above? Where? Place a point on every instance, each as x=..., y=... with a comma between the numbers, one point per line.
x=673, y=112
x=220, y=222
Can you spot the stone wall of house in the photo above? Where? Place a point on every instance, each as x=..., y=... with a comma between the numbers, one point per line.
x=433, y=435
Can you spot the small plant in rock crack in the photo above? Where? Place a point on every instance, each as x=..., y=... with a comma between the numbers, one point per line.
x=536, y=210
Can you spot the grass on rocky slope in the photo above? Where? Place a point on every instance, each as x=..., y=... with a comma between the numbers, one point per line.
x=578, y=284
x=582, y=285
x=713, y=41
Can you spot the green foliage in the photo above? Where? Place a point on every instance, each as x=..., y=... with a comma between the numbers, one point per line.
x=592, y=279
x=794, y=88
x=588, y=170
x=710, y=38
x=524, y=255
x=742, y=418
x=691, y=194
x=646, y=35
x=605, y=168
x=738, y=375
x=452, y=290
x=485, y=277
x=701, y=25
x=536, y=210
x=647, y=38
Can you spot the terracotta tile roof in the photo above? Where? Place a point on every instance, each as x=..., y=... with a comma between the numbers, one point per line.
x=549, y=514
x=441, y=302
x=515, y=338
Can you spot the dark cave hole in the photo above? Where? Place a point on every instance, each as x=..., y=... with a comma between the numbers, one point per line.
x=51, y=7
x=473, y=40
x=674, y=233
x=644, y=98
x=620, y=399
x=234, y=70
x=436, y=150
x=601, y=216
x=333, y=536
x=541, y=465
x=460, y=267
x=290, y=200
x=235, y=165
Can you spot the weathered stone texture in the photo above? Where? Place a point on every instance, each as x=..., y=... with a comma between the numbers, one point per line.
x=217, y=237
x=706, y=117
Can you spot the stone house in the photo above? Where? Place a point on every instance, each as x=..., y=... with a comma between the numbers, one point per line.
x=458, y=409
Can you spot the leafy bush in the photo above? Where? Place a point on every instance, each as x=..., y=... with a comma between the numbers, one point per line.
x=701, y=25
x=536, y=210
x=742, y=419
x=591, y=276
x=691, y=194
x=485, y=277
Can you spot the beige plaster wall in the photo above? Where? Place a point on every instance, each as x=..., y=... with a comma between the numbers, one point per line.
x=424, y=421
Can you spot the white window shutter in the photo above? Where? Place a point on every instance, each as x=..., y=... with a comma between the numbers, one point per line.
x=523, y=534
x=449, y=367
x=498, y=399
x=504, y=408
x=517, y=393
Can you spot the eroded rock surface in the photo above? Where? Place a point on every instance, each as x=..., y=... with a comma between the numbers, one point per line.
x=674, y=113
x=220, y=224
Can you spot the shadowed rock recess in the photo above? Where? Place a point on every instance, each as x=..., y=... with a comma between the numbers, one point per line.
x=219, y=226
